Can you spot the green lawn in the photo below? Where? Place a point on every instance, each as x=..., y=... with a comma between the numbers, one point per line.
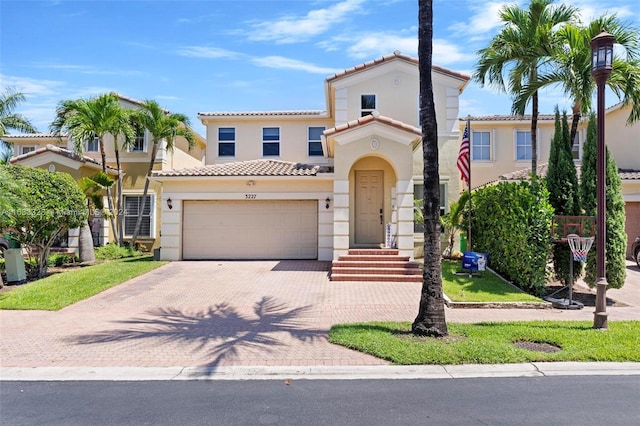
x=493, y=343
x=59, y=290
x=485, y=288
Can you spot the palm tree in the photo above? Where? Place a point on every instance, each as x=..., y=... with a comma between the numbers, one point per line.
x=452, y=221
x=573, y=68
x=93, y=188
x=523, y=46
x=162, y=125
x=430, y=320
x=10, y=99
x=84, y=119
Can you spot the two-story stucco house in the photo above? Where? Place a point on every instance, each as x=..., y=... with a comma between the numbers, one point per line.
x=501, y=150
x=58, y=154
x=313, y=184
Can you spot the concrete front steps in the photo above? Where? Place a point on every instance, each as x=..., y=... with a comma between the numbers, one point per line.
x=375, y=265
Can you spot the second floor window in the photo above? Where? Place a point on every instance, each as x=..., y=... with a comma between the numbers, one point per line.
x=575, y=148
x=367, y=104
x=226, y=141
x=270, y=141
x=93, y=144
x=523, y=145
x=480, y=146
x=315, y=144
x=27, y=149
x=139, y=142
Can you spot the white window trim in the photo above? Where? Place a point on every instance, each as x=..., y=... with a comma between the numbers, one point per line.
x=96, y=140
x=145, y=143
x=515, y=144
x=152, y=200
x=30, y=148
x=579, y=134
x=369, y=111
x=278, y=141
x=491, y=146
x=319, y=140
x=235, y=134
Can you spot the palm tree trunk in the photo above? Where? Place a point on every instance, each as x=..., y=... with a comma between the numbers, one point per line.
x=136, y=231
x=430, y=320
x=109, y=200
x=120, y=217
x=534, y=134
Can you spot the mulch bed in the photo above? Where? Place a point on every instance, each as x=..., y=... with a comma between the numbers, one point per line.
x=581, y=294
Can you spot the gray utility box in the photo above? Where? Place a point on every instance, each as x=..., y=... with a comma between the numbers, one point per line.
x=14, y=264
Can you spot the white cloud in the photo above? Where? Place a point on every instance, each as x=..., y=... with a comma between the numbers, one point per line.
x=207, y=52
x=482, y=20
x=30, y=86
x=294, y=29
x=292, y=64
x=88, y=69
x=380, y=44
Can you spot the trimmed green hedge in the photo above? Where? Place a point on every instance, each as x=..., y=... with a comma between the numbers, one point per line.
x=511, y=223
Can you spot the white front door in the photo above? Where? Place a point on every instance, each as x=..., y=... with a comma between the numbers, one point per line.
x=369, y=226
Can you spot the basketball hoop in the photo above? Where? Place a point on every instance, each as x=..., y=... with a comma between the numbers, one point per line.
x=579, y=246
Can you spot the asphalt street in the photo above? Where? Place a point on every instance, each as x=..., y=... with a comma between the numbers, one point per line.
x=583, y=400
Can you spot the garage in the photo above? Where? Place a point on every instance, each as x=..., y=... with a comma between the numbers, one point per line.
x=632, y=210
x=250, y=229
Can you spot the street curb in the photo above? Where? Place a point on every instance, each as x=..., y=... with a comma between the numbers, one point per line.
x=535, y=369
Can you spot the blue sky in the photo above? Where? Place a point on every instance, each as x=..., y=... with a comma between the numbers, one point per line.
x=237, y=55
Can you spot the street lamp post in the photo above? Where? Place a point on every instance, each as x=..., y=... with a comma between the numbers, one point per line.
x=601, y=66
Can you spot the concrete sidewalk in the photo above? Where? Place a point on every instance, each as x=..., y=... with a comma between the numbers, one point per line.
x=217, y=315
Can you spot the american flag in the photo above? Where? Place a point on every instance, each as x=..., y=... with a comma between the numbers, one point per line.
x=464, y=155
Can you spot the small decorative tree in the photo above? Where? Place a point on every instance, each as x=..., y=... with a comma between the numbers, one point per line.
x=615, y=216
x=51, y=204
x=562, y=183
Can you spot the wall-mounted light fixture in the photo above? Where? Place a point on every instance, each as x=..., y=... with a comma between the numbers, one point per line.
x=250, y=183
x=326, y=203
x=169, y=203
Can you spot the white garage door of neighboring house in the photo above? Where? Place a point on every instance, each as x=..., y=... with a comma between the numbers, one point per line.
x=252, y=229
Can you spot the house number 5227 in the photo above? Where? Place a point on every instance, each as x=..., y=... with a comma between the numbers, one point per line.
x=250, y=196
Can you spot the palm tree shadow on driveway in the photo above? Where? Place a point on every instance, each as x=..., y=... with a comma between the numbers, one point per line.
x=220, y=329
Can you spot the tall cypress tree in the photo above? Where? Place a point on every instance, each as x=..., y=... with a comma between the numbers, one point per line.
x=616, y=238
x=562, y=183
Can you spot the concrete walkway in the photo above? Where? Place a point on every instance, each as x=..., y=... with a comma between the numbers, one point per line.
x=217, y=315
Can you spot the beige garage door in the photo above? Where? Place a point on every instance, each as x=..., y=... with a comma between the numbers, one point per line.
x=250, y=229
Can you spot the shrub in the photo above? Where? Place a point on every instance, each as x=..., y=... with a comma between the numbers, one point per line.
x=60, y=259
x=114, y=251
x=511, y=223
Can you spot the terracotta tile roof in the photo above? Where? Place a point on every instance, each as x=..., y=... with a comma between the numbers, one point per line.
x=374, y=117
x=391, y=57
x=250, y=168
x=541, y=117
x=60, y=151
x=312, y=113
x=34, y=136
x=544, y=167
x=629, y=174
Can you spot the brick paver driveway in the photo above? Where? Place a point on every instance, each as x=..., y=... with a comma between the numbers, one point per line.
x=257, y=313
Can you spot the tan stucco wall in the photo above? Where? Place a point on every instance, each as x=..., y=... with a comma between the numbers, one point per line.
x=622, y=139
x=293, y=139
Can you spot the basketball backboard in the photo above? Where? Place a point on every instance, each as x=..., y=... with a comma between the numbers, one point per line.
x=562, y=226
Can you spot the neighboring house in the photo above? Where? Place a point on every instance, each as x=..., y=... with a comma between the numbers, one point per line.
x=57, y=154
x=313, y=184
x=501, y=150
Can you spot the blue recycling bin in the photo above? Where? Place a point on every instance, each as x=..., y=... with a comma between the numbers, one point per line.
x=473, y=261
